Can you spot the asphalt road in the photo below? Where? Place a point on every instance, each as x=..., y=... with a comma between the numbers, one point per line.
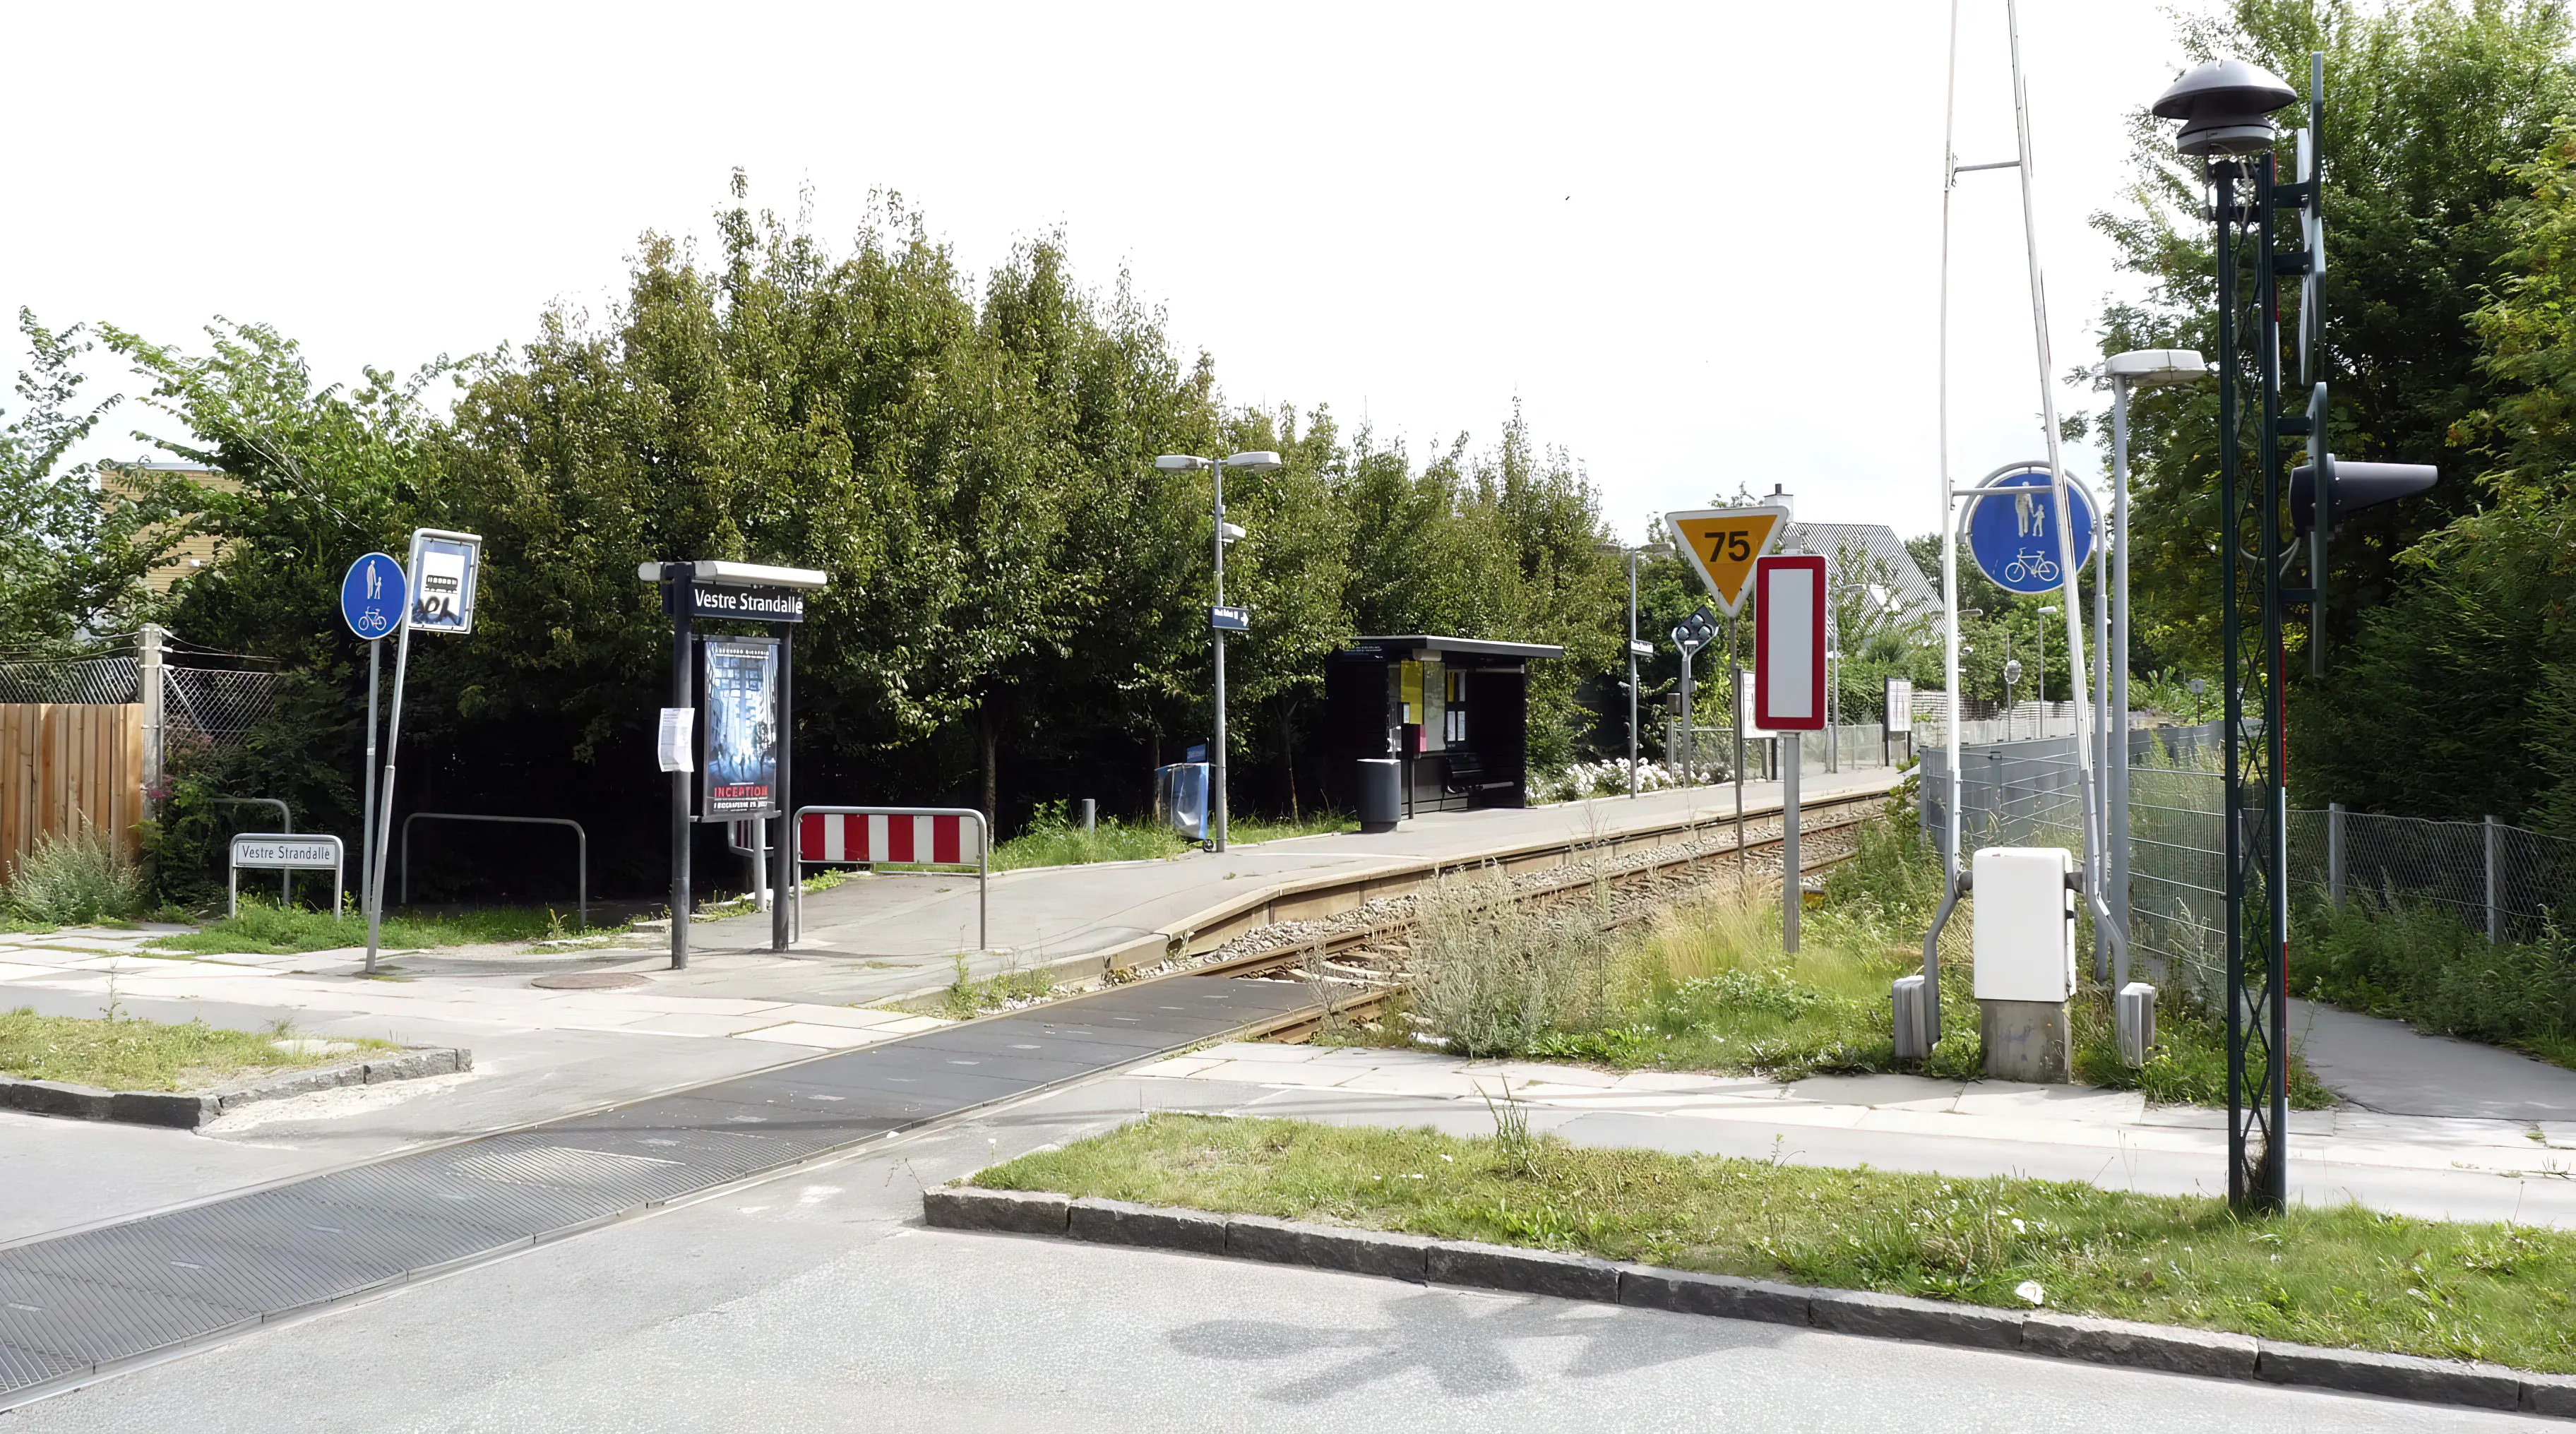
x=814, y=1300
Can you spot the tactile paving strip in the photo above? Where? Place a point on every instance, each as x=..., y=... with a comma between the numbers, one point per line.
x=76, y=1304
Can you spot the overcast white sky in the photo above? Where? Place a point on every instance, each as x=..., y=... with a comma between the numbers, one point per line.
x=1698, y=242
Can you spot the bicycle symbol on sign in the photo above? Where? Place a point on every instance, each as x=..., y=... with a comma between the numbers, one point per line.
x=2032, y=566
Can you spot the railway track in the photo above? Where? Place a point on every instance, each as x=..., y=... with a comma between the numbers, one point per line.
x=1355, y=966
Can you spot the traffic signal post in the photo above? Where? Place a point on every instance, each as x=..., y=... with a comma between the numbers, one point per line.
x=2226, y=108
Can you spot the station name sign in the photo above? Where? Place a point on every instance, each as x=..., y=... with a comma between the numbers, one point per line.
x=290, y=853
x=753, y=604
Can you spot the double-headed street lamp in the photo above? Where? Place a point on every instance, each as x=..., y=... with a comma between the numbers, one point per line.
x=1220, y=534
x=1652, y=550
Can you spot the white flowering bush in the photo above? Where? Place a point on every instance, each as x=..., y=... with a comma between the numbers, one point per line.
x=1605, y=778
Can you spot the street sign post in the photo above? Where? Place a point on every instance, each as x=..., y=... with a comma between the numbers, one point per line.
x=2012, y=533
x=1722, y=545
x=1789, y=693
x=440, y=582
x=374, y=595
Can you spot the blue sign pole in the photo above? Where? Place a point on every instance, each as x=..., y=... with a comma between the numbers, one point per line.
x=2012, y=530
x=373, y=598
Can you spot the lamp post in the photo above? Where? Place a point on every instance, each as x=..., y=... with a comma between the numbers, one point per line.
x=2136, y=369
x=1220, y=533
x=1651, y=550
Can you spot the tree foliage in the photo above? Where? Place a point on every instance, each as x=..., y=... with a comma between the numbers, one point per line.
x=1017, y=608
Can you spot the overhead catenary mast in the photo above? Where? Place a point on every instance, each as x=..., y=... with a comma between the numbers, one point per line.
x=2105, y=927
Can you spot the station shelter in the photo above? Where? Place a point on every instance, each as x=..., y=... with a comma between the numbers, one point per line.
x=1453, y=710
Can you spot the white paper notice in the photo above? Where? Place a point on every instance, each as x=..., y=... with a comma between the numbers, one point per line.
x=673, y=742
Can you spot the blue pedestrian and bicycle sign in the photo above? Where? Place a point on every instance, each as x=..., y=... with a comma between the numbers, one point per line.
x=2012, y=530
x=372, y=597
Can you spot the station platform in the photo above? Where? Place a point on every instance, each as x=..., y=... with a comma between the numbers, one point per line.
x=886, y=934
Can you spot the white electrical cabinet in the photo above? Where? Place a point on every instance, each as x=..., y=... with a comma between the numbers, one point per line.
x=2025, y=934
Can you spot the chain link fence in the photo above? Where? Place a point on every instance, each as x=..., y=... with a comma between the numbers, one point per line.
x=108, y=680
x=2502, y=880
x=214, y=706
x=202, y=708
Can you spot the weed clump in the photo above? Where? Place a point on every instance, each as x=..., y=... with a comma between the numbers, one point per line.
x=72, y=880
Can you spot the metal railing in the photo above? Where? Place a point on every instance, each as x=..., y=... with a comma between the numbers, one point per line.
x=285, y=823
x=581, y=856
x=983, y=857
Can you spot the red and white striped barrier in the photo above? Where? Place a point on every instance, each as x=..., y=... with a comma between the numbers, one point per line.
x=899, y=836
x=903, y=837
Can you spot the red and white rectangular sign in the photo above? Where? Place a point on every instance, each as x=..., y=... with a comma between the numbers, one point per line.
x=1789, y=644
x=883, y=836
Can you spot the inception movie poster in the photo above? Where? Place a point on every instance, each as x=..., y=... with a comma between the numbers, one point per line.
x=741, y=772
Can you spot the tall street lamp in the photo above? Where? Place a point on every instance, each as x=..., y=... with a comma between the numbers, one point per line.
x=2136, y=369
x=1220, y=533
x=1651, y=550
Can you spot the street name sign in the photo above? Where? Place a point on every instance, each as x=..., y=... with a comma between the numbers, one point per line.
x=2012, y=530
x=371, y=596
x=283, y=851
x=1722, y=545
x=746, y=604
x=1230, y=619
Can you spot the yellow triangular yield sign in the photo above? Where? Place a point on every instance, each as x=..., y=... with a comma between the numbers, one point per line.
x=1722, y=543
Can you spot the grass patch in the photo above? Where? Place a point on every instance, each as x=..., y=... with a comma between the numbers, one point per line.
x=125, y=1053
x=266, y=929
x=2344, y=1276
x=1055, y=838
x=1709, y=987
x=966, y=998
x=2419, y=962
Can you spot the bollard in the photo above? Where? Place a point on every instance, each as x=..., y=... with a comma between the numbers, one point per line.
x=1907, y=997
x=1090, y=816
x=2137, y=1023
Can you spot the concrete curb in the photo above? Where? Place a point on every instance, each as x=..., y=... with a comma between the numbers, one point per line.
x=2167, y=1349
x=187, y=1110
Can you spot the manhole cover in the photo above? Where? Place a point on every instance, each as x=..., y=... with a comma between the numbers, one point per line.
x=589, y=981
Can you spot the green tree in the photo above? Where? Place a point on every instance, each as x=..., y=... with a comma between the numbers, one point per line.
x=78, y=550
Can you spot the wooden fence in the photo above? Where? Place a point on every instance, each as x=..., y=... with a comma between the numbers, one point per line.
x=65, y=765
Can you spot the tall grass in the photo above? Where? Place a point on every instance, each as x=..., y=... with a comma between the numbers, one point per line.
x=2418, y=962
x=1495, y=977
x=70, y=880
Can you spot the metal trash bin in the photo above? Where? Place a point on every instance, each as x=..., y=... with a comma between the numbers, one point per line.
x=1381, y=793
x=1181, y=798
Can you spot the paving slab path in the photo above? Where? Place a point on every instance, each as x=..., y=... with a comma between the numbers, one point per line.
x=2390, y=1067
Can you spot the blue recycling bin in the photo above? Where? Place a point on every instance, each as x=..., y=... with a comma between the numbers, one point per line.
x=1181, y=798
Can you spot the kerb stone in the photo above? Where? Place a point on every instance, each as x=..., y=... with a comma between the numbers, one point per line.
x=1904, y=1317
x=1528, y=1272
x=1323, y=1247
x=2398, y=1376
x=1116, y=1222
x=1017, y=1212
x=1725, y=1296
x=2139, y=1346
